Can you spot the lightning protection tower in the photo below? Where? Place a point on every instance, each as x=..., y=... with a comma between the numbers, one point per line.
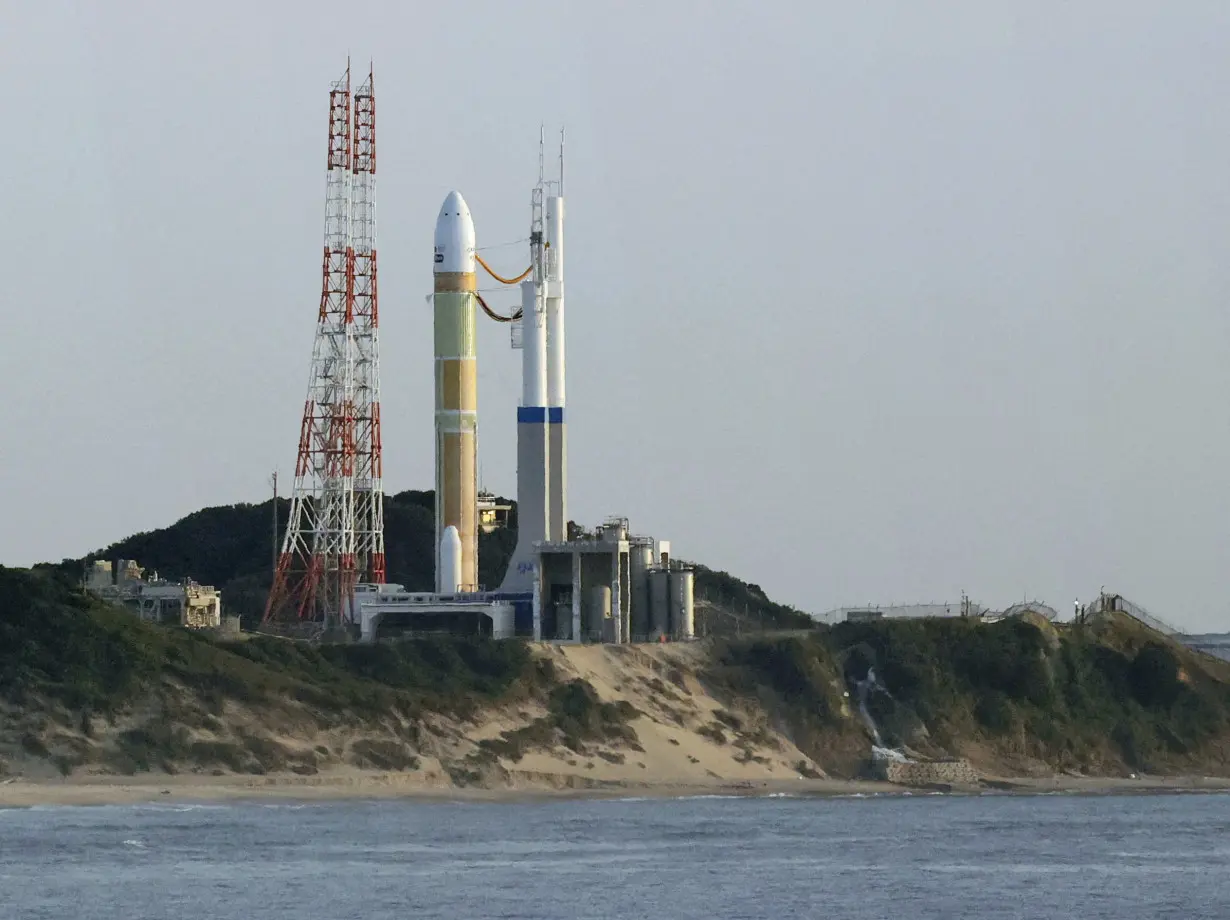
x=335, y=536
x=368, y=488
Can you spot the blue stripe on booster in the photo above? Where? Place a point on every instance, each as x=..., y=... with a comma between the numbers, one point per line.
x=540, y=414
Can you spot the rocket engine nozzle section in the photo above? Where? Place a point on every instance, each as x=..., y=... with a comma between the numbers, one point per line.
x=456, y=388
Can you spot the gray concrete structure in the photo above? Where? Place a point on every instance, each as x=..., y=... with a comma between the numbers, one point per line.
x=568, y=573
x=154, y=599
x=600, y=587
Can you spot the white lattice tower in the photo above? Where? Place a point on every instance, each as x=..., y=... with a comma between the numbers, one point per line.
x=368, y=491
x=316, y=569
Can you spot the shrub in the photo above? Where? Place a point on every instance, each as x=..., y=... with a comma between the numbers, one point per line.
x=1154, y=676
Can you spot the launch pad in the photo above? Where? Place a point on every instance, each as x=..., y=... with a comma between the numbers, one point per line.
x=562, y=584
x=608, y=586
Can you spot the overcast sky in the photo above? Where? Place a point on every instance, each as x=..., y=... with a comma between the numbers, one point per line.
x=867, y=302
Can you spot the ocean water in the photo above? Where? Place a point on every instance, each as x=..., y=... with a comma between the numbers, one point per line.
x=921, y=856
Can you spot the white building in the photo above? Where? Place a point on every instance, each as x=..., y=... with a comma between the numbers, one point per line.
x=962, y=608
x=387, y=611
x=154, y=599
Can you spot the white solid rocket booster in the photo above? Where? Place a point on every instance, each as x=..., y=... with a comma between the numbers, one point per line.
x=450, y=580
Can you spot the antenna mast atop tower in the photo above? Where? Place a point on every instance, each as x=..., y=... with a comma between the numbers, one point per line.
x=335, y=533
x=536, y=218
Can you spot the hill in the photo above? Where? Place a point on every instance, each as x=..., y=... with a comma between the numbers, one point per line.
x=88, y=685
x=86, y=689
x=231, y=547
x=1018, y=697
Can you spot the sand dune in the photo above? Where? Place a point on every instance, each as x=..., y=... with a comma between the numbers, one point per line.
x=683, y=738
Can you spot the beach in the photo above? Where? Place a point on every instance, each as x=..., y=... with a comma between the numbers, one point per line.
x=359, y=784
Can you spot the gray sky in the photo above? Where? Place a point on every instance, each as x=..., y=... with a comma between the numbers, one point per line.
x=868, y=302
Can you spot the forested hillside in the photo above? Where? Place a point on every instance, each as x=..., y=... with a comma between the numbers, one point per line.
x=231, y=547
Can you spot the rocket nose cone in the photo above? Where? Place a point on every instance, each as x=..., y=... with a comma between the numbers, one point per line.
x=454, y=236
x=454, y=206
x=450, y=537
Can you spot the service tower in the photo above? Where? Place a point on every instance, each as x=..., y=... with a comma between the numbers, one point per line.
x=456, y=390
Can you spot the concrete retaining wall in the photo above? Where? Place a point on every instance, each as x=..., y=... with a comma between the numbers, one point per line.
x=942, y=772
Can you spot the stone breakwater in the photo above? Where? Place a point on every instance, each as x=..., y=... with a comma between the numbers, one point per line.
x=938, y=772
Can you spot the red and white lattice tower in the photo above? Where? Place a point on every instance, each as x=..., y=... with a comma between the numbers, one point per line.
x=368, y=491
x=335, y=536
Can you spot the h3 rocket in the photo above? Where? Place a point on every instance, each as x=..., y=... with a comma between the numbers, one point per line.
x=456, y=370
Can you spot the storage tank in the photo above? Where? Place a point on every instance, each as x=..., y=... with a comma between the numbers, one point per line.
x=614, y=531
x=640, y=561
x=682, y=586
x=599, y=618
x=659, y=603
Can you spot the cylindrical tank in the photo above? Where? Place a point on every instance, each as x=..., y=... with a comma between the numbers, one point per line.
x=659, y=603
x=450, y=561
x=614, y=531
x=599, y=613
x=682, y=583
x=640, y=561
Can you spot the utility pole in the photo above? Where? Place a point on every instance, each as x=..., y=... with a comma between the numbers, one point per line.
x=275, y=523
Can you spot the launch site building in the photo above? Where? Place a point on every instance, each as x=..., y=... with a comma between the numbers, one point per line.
x=154, y=599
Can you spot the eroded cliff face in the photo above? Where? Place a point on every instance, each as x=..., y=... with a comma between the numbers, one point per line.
x=604, y=715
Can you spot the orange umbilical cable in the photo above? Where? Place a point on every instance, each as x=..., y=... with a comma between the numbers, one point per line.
x=495, y=316
x=500, y=278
